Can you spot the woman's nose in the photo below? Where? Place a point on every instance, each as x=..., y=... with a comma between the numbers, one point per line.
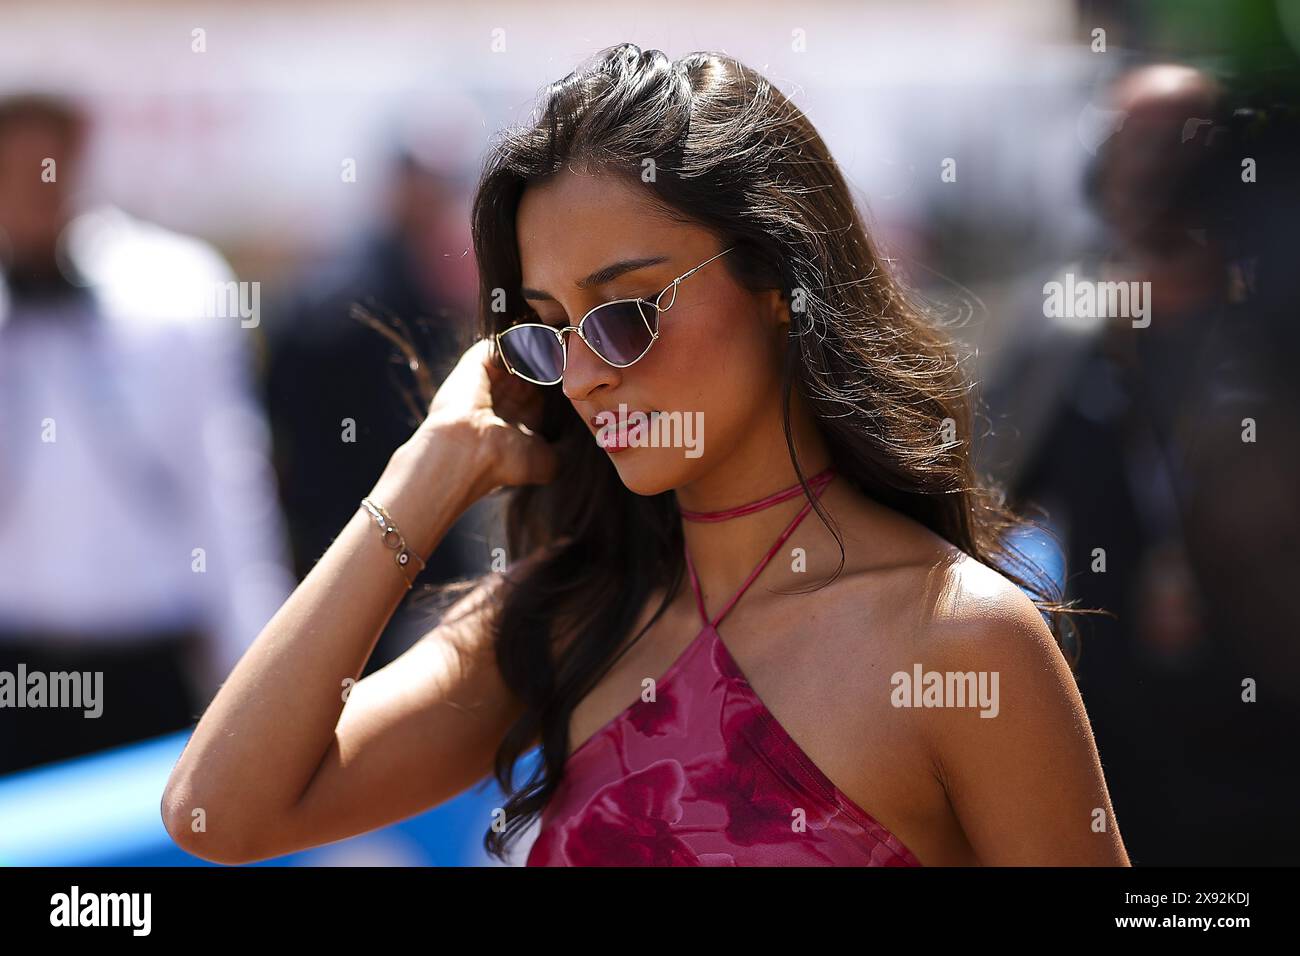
x=584, y=369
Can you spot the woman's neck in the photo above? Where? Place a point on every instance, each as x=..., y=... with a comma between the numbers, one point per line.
x=730, y=527
x=814, y=482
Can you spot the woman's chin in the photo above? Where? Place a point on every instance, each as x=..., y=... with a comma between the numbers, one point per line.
x=647, y=471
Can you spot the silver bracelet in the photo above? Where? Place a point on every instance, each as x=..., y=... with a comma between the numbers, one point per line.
x=393, y=540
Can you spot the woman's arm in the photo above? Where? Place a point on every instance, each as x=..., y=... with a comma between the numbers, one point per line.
x=278, y=762
x=1027, y=784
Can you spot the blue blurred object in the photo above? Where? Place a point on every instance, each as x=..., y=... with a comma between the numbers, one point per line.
x=104, y=810
x=1035, y=542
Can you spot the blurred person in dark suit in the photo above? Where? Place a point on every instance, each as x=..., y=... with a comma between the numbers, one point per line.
x=340, y=394
x=140, y=539
x=1130, y=436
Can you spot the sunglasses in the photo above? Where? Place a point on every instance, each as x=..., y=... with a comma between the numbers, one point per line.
x=620, y=332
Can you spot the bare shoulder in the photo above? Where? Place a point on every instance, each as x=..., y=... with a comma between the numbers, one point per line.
x=977, y=609
x=957, y=613
x=929, y=642
x=936, y=598
x=1027, y=787
x=935, y=606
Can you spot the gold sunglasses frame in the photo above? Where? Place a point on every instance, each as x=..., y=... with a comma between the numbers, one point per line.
x=564, y=343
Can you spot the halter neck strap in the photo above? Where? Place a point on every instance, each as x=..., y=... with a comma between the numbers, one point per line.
x=817, y=481
x=822, y=480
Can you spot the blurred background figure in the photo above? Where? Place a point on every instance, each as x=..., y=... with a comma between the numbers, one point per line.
x=1136, y=440
x=140, y=535
x=340, y=394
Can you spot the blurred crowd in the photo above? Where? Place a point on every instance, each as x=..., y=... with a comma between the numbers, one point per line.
x=166, y=477
x=1163, y=452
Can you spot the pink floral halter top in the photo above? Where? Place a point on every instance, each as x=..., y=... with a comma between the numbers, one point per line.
x=704, y=775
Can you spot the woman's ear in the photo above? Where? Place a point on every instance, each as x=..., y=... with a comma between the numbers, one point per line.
x=775, y=309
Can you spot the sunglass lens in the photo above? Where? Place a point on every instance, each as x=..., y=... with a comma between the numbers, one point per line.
x=533, y=352
x=622, y=331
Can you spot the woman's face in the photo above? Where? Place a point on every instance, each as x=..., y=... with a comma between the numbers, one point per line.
x=715, y=368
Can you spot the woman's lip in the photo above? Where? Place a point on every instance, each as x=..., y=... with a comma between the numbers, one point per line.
x=614, y=444
x=598, y=424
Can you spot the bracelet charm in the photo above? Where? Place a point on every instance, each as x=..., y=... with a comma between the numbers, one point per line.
x=392, y=538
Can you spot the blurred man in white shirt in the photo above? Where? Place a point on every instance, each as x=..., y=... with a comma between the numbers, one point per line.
x=140, y=534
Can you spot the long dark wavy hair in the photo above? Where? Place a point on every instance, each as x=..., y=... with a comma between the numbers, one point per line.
x=887, y=387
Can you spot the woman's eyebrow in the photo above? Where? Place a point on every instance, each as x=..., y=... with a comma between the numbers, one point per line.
x=602, y=276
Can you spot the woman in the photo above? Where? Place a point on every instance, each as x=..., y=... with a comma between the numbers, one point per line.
x=821, y=723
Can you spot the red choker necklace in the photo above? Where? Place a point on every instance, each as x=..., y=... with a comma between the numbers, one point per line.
x=818, y=483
